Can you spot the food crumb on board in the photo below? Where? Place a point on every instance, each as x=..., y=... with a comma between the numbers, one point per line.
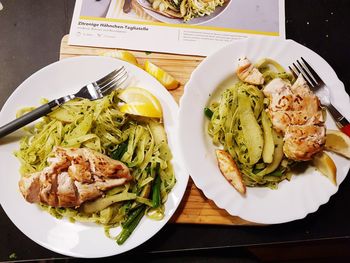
x=1, y=6
x=13, y=256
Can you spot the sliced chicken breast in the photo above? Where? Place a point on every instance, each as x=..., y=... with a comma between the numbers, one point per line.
x=73, y=177
x=84, y=163
x=295, y=112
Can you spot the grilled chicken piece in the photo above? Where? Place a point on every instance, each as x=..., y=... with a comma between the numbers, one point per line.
x=30, y=187
x=66, y=191
x=291, y=105
x=301, y=87
x=280, y=95
x=73, y=177
x=282, y=119
x=301, y=142
x=246, y=72
x=295, y=112
x=230, y=170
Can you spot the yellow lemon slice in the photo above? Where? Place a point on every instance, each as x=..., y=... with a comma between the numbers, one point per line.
x=123, y=55
x=140, y=102
x=338, y=142
x=168, y=81
x=326, y=166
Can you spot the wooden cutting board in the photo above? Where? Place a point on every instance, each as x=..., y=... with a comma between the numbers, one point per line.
x=195, y=207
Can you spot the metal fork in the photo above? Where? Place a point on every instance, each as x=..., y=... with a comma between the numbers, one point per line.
x=321, y=90
x=91, y=91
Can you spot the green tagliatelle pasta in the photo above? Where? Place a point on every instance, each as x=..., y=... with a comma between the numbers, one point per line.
x=140, y=143
x=186, y=9
x=198, y=8
x=237, y=122
x=272, y=69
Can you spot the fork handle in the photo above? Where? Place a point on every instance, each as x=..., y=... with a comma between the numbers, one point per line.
x=27, y=118
x=342, y=123
x=346, y=129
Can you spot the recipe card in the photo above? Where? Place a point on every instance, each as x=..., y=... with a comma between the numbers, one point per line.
x=190, y=27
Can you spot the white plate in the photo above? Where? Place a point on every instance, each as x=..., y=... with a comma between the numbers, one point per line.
x=293, y=200
x=61, y=236
x=195, y=21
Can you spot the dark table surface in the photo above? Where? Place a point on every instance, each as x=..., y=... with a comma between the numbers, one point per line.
x=30, y=35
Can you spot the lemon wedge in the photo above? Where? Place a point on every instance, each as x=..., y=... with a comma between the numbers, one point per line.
x=338, y=142
x=122, y=55
x=168, y=81
x=140, y=102
x=326, y=166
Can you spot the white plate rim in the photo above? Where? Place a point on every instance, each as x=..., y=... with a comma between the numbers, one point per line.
x=170, y=109
x=206, y=185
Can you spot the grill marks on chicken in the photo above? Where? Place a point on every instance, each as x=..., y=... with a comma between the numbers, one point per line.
x=73, y=177
x=295, y=112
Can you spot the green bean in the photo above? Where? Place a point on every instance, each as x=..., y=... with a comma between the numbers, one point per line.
x=119, y=152
x=127, y=230
x=132, y=216
x=208, y=112
x=156, y=188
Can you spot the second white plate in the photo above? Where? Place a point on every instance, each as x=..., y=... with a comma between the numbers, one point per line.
x=292, y=200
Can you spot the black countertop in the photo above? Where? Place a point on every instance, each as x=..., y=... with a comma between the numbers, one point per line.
x=30, y=35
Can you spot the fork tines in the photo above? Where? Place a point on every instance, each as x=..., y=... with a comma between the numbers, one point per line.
x=112, y=80
x=103, y=81
x=309, y=74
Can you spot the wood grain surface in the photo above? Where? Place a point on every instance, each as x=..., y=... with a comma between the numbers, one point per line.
x=195, y=208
